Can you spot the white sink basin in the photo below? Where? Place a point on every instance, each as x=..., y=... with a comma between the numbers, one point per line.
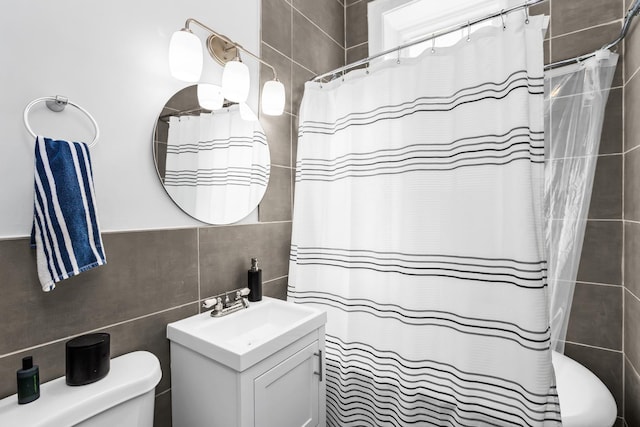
x=240, y=340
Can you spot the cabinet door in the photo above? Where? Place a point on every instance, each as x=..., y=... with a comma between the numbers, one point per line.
x=288, y=394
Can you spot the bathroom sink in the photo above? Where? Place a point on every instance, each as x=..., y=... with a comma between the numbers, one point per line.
x=240, y=340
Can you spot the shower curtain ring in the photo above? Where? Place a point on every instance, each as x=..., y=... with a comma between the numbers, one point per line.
x=526, y=14
x=366, y=68
x=468, y=31
x=433, y=43
x=398, y=58
x=504, y=27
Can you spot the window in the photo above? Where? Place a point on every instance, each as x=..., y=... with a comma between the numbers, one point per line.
x=396, y=22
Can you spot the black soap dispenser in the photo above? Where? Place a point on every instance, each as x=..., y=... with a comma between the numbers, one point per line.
x=28, y=381
x=255, y=281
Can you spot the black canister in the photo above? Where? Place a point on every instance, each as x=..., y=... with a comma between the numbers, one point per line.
x=255, y=281
x=88, y=358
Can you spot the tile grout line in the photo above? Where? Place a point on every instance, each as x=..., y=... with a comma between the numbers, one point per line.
x=614, y=220
x=291, y=159
x=630, y=149
x=198, y=263
x=633, y=368
x=291, y=50
x=356, y=45
x=152, y=230
x=550, y=33
x=632, y=294
x=589, y=92
x=570, y=33
x=593, y=346
x=293, y=61
x=550, y=26
x=624, y=308
x=291, y=121
x=315, y=25
x=610, y=285
x=163, y=392
x=624, y=63
x=277, y=278
x=112, y=325
x=624, y=381
x=632, y=76
x=624, y=228
x=584, y=157
x=344, y=30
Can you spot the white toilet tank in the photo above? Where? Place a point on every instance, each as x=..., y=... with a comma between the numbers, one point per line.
x=124, y=398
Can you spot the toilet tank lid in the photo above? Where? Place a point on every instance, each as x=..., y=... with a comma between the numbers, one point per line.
x=131, y=375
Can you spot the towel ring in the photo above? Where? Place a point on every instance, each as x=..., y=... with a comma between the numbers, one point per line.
x=57, y=104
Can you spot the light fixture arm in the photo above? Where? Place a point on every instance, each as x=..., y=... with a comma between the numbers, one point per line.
x=226, y=39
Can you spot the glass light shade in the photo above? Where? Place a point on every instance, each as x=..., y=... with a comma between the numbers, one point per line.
x=185, y=56
x=210, y=96
x=246, y=113
x=273, y=98
x=235, y=81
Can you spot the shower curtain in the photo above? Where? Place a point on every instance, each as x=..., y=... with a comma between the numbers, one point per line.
x=575, y=100
x=214, y=165
x=418, y=227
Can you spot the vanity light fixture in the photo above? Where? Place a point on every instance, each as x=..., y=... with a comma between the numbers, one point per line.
x=185, y=56
x=185, y=63
x=210, y=96
x=235, y=81
x=273, y=98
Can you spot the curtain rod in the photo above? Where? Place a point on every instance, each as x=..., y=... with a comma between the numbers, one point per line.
x=631, y=13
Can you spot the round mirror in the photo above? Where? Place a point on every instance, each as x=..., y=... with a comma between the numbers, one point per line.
x=213, y=164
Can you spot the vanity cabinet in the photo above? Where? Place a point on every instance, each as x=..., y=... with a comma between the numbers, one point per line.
x=284, y=389
x=288, y=394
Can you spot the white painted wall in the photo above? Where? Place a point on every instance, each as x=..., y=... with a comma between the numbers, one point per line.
x=111, y=58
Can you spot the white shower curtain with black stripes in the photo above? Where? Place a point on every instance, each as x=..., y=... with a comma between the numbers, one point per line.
x=418, y=227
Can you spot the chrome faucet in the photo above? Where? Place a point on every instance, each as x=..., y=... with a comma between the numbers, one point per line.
x=222, y=305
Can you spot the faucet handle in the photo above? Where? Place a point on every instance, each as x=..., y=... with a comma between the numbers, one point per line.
x=215, y=302
x=208, y=303
x=240, y=293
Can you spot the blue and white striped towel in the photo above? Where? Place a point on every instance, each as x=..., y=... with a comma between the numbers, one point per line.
x=65, y=224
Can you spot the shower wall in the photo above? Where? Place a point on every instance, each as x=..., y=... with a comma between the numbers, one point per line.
x=595, y=335
x=631, y=215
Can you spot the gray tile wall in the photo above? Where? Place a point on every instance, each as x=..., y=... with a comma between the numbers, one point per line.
x=357, y=30
x=156, y=277
x=595, y=330
x=631, y=215
x=301, y=38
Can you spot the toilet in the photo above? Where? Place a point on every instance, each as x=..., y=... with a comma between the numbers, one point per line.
x=584, y=400
x=124, y=398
